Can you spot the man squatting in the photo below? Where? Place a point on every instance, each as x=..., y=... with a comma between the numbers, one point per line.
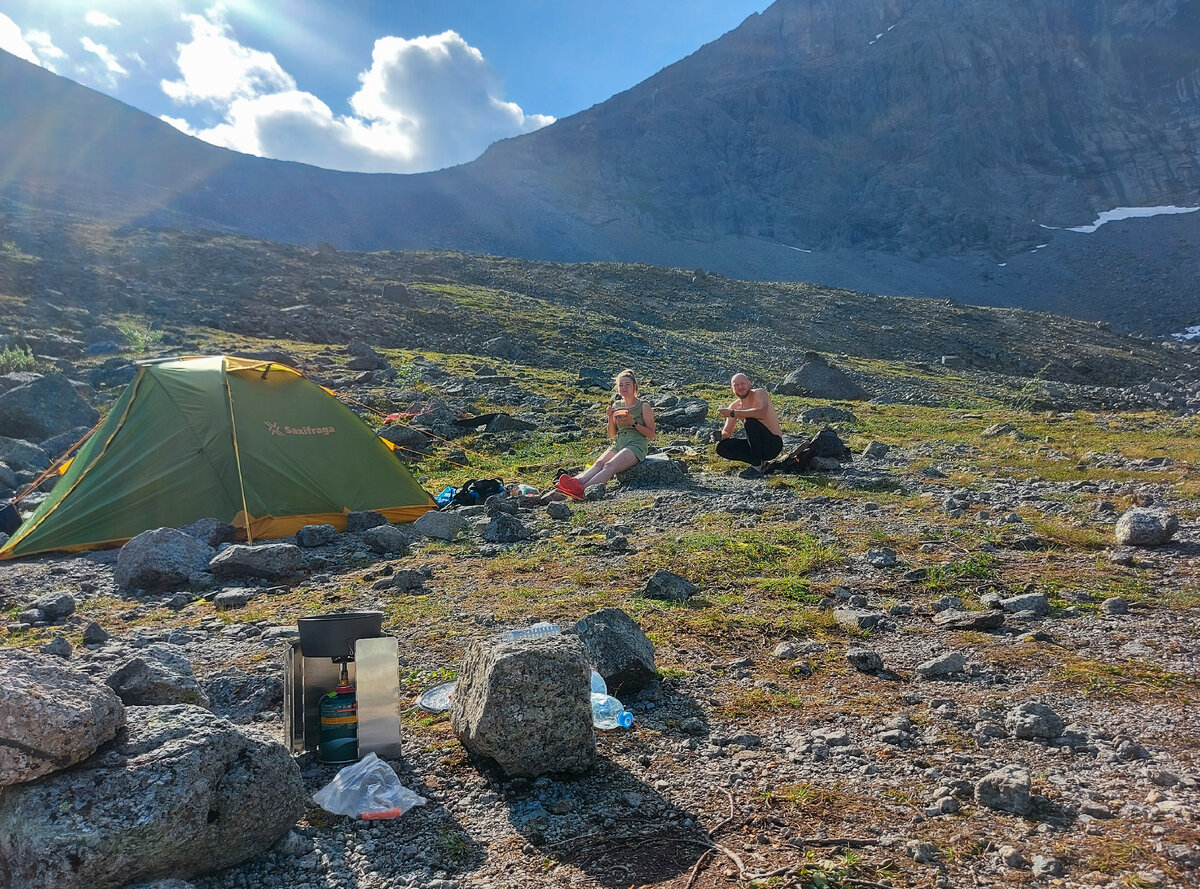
x=764, y=435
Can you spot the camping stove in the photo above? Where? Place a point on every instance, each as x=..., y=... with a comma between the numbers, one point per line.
x=330, y=645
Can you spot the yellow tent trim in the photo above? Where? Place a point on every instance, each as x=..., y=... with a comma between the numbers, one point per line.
x=75, y=548
x=285, y=526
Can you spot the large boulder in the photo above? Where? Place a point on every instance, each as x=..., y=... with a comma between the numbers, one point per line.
x=55, y=605
x=504, y=423
x=1006, y=790
x=58, y=444
x=439, y=418
x=21, y=455
x=819, y=379
x=45, y=407
x=161, y=559
x=212, y=532
x=504, y=528
x=526, y=706
x=942, y=666
x=865, y=660
x=179, y=793
x=363, y=357
x=411, y=444
x=270, y=561
x=8, y=479
x=53, y=716
x=1039, y=603
x=386, y=540
x=657, y=469
x=1146, y=527
x=1031, y=720
x=363, y=520
x=669, y=587
x=680, y=413
x=619, y=650
x=316, y=535
x=160, y=673
x=954, y=619
x=439, y=525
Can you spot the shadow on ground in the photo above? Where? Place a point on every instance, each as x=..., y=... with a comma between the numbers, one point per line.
x=617, y=829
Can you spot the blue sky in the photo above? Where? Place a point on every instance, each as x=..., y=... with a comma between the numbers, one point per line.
x=365, y=85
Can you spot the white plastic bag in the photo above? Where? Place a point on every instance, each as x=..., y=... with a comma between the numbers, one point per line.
x=367, y=789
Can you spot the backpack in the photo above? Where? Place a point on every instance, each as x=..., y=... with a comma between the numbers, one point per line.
x=477, y=490
x=10, y=519
x=824, y=444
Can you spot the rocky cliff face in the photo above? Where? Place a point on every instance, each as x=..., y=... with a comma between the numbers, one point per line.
x=909, y=147
x=913, y=126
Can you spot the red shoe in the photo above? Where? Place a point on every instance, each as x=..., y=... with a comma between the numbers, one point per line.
x=570, y=486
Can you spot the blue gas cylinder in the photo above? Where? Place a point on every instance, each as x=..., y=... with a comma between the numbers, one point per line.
x=337, y=740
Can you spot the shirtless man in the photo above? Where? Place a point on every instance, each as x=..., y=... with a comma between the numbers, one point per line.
x=764, y=436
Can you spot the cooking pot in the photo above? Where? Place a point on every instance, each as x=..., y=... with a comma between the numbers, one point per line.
x=333, y=635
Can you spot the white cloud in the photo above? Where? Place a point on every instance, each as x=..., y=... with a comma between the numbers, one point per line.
x=12, y=41
x=297, y=126
x=98, y=19
x=218, y=70
x=179, y=123
x=424, y=104
x=103, y=53
x=44, y=46
x=441, y=93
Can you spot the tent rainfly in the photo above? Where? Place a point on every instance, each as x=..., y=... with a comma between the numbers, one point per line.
x=249, y=442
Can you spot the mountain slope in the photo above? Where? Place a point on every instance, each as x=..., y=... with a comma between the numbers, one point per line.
x=913, y=147
x=917, y=126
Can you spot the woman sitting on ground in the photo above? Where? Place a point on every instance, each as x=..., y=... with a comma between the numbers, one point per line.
x=631, y=425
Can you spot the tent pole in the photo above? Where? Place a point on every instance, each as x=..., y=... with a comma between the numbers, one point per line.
x=237, y=456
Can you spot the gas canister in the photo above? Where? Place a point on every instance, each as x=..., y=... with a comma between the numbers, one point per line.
x=337, y=740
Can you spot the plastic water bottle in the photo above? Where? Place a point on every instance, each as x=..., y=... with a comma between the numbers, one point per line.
x=538, y=631
x=599, y=686
x=609, y=713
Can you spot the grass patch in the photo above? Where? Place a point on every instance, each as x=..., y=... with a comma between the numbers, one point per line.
x=774, y=557
x=974, y=569
x=1127, y=680
x=802, y=797
x=1072, y=536
x=761, y=700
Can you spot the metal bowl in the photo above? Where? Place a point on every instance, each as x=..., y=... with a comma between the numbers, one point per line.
x=334, y=635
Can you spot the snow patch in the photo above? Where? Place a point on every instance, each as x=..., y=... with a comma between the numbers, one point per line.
x=1192, y=333
x=1122, y=213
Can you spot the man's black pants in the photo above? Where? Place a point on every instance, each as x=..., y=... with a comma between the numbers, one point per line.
x=759, y=446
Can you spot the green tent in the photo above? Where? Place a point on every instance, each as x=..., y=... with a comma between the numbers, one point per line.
x=253, y=443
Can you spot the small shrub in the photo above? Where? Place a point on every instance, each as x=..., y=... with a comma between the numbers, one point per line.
x=15, y=359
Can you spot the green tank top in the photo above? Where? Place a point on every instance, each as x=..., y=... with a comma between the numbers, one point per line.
x=630, y=437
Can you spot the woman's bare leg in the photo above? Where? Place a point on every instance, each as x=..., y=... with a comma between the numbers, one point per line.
x=585, y=477
x=617, y=463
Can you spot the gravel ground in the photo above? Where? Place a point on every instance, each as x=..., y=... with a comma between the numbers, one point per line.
x=763, y=753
